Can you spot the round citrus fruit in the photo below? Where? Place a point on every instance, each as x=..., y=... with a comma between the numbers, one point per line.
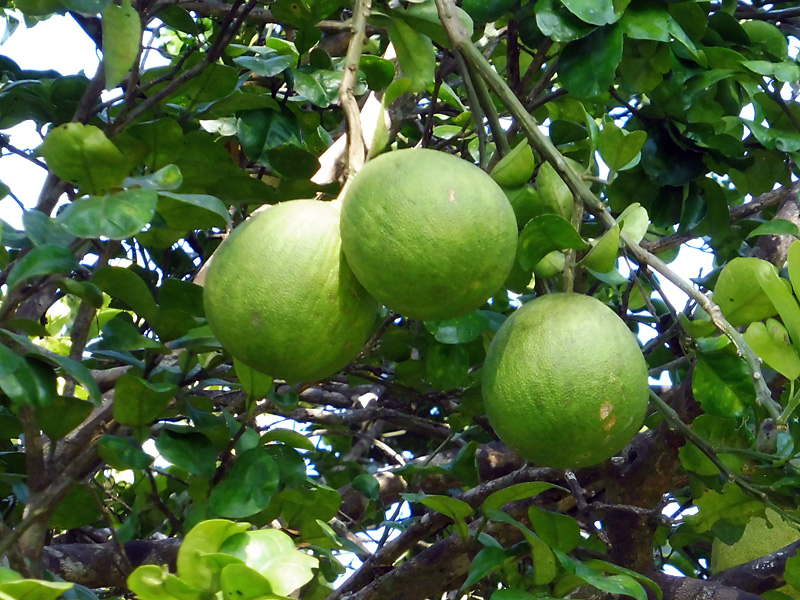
x=429, y=235
x=564, y=382
x=280, y=297
x=758, y=539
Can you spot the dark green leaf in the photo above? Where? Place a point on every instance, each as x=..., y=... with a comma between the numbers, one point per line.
x=128, y=287
x=594, y=12
x=721, y=383
x=42, y=229
x=123, y=453
x=556, y=530
x=166, y=178
x=248, y=487
x=62, y=416
x=187, y=450
x=447, y=366
x=48, y=259
x=775, y=227
x=460, y=330
x=487, y=560
x=290, y=463
x=139, y=402
x=367, y=485
x=587, y=66
x=78, y=509
x=546, y=233
x=192, y=211
x=557, y=23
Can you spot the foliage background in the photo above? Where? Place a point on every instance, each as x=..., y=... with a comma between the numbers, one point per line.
x=105, y=348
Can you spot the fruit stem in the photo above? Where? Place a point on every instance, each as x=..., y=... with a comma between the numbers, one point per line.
x=498, y=134
x=475, y=108
x=460, y=40
x=356, y=148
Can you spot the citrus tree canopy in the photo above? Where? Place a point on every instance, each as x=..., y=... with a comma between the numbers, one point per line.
x=382, y=300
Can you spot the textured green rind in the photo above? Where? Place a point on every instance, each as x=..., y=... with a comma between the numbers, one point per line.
x=758, y=539
x=280, y=297
x=429, y=235
x=564, y=382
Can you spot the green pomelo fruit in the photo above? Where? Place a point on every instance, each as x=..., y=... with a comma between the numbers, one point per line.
x=429, y=235
x=738, y=294
x=280, y=297
x=759, y=539
x=564, y=382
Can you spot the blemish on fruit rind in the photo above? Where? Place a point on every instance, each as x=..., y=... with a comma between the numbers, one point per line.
x=606, y=409
x=452, y=195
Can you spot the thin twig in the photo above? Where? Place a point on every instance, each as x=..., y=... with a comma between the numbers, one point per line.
x=356, y=147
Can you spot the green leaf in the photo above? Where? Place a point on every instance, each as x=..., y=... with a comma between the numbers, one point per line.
x=732, y=504
x=718, y=432
x=557, y=23
x=62, y=416
x=775, y=227
x=42, y=229
x=115, y=217
x=646, y=24
x=85, y=290
x=166, y=178
x=48, y=259
x=486, y=11
x=556, y=530
x=594, y=12
x=269, y=65
x=587, y=66
x=33, y=589
x=544, y=563
x=123, y=453
x=139, y=402
x=460, y=330
x=272, y=554
x=614, y=584
x=378, y=71
x=78, y=509
x=487, y=560
x=721, y=383
x=542, y=235
x=455, y=509
x=783, y=301
x=192, y=211
x=792, y=571
x=240, y=582
x=772, y=344
x=204, y=538
x=516, y=168
x=415, y=54
x=248, y=487
x=617, y=146
x=84, y=156
x=21, y=382
x=519, y=491
x=603, y=255
x=256, y=385
x=739, y=300
x=151, y=582
x=89, y=7
x=295, y=439
x=290, y=462
x=793, y=265
x=73, y=368
x=124, y=284
x=368, y=485
x=635, y=221
x=122, y=35
x=188, y=450
x=447, y=366
x=554, y=194
x=164, y=141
